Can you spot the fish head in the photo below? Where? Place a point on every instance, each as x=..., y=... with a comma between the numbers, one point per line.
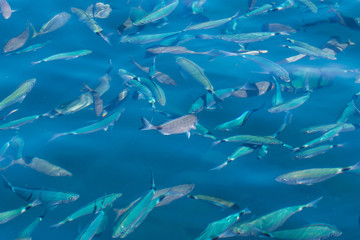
x=72, y=197
x=285, y=179
x=243, y=230
x=126, y=39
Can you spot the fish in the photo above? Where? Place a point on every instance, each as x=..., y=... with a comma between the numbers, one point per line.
x=66, y=56
x=309, y=232
x=314, y=175
x=333, y=132
x=142, y=89
x=135, y=215
x=347, y=127
x=46, y=197
x=100, y=125
x=202, y=131
x=216, y=201
x=271, y=221
x=252, y=139
x=15, y=124
x=309, y=4
x=26, y=233
x=169, y=195
x=176, y=126
x=292, y=104
x=89, y=232
x=347, y=112
x=211, y=24
x=158, y=76
x=216, y=229
x=175, y=50
x=147, y=38
x=191, y=70
x=40, y=165
x=96, y=205
x=53, y=24
x=239, y=152
x=285, y=5
x=242, y=38
x=155, y=89
x=5, y=9
x=90, y=22
x=237, y=122
x=315, y=151
x=19, y=94
x=277, y=27
x=15, y=145
x=33, y=47
x=11, y=214
x=270, y=66
x=157, y=14
x=253, y=89
x=17, y=42
x=73, y=106
x=99, y=10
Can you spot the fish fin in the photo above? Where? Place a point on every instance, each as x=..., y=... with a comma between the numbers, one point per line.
x=188, y=134
x=55, y=136
x=34, y=30
x=7, y=183
x=34, y=63
x=216, y=142
x=146, y=125
x=314, y=203
x=354, y=168
x=220, y=166
x=119, y=212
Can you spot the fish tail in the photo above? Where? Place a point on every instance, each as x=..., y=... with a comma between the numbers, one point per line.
x=58, y=224
x=314, y=203
x=216, y=98
x=153, y=187
x=34, y=63
x=352, y=168
x=217, y=142
x=191, y=196
x=146, y=125
x=220, y=166
x=55, y=136
x=7, y=183
x=34, y=30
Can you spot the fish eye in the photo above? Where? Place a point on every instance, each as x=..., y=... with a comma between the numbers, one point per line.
x=284, y=179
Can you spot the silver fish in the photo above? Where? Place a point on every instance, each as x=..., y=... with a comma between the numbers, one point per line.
x=5, y=9
x=53, y=24
x=17, y=42
x=19, y=94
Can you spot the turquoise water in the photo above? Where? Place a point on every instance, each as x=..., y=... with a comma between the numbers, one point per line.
x=122, y=158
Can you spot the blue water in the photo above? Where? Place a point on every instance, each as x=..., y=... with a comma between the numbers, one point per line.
x=122, y=158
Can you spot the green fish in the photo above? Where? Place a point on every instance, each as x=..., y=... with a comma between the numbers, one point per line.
x=135, y=215
x=310, y=5
x=11, y=214
x=292, y=104
x=348, y=111
x=216, y=229
x=310, y=232
x=237, y=122
x=66, y=56
x=157, y=14
x=314, y=175
x=251, y=139
x=33, y=47
x=211, y=24
x=19, y=122
x=347, y=127
x=312, y=152
x=201, y=130
x=155, y=89
x=89, y=232
x=246, y=37
x=26, y=233
x=147, y=38
x=312, y=51
x=240, y=151
x=46, y=197
x=100, y=125
x=325, y=137
x=271, y=221
x=19, y=94
x=100, y=203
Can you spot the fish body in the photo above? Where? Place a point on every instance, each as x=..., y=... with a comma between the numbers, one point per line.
x=192, y=70
x=17, y=42
x=310, y=232
x=347, y=127
x=89, y=232
x=170, y=194
x=270, y=66
x=100, y=125
x=135, y=215
x=19, y=94
x=314, y=175
x=157, y=14
x=318, y=53
x=179, y=125
x=309, y=4
x=285, y=5
x=147, y=38
x=312, y=152
x=292, y=104
x=347, y=112
x=237, y=122
x=211, y=24
x=19, y=122
x=11, y=214
x=46, y=197
x=175, y=50
x=216, y=229
x=246, y=37
x=251, y=139
x=143, y=89
x=271, y=221
x=96, y=205
x=240, y=151
x=326, y=136
x=155, y=89
x=33, y=47
x=53, y=24
x=75, y=105
x=5, y=9
x=26, y=233
x=66, y=56
x=215, y=201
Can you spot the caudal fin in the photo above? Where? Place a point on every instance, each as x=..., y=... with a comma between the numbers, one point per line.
x=146, y=125
x=7, y=183
x=220, y=166
x=314, y=203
